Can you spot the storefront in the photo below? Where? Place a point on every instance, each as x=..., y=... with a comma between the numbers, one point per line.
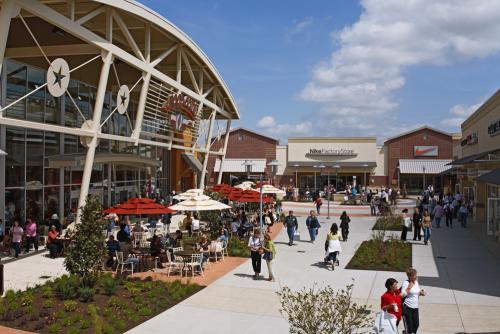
x=478, y=169
x=313, y=163
x=418, y=158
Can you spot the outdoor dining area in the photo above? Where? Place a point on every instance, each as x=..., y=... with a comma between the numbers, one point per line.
x=187, y=238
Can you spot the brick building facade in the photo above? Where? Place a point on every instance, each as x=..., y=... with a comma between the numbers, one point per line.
x=243, y=144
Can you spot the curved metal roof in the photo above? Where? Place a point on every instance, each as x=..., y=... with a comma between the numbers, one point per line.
x=145, y=13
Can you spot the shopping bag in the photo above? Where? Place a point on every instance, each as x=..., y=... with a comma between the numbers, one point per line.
x=385, y=323
x=296, y=236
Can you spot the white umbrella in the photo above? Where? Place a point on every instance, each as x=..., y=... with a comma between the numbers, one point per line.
x=199, y=204
x=188, y=194
x=269, y=189
x=247, y=185
x=184, y=197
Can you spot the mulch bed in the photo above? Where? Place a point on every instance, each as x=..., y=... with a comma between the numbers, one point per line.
x=391, y=255
x=134, y=302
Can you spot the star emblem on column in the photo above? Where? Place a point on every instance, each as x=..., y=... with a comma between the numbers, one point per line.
x=123, y=99
x=58, y=77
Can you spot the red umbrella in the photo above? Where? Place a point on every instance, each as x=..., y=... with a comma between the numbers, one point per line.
x=235, y=194
x=139, y=206
x=220, y=187
x=251, y=196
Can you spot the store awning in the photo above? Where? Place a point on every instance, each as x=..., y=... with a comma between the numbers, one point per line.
x=472, y=158
x=330, y=164
x=491, y=177
x=237, y=165
x=78, y=160
x=421, y=166
x=192, y=161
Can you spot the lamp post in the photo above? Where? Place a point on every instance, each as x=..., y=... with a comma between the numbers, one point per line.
x=399, y=173
x=315, y=178
x=336, y=176
x=327, y=190
x=364, y=172
x=423, y=170
x=296, y=171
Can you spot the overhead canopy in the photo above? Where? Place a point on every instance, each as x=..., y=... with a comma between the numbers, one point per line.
x=474, y=158
x=423, y=166
x=237, y=165
x=491, y=177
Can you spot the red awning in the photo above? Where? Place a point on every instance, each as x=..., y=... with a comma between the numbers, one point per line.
x=139, y=206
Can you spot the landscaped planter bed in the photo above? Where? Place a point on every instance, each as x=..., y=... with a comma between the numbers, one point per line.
x=390, y=255
x=57, y=307
x=389, y=223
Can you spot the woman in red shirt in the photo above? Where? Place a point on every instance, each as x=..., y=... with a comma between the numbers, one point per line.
x=391, y=300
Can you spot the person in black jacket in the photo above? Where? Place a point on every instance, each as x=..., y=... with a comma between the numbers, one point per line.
x=344, y=225
x=312, y=224
x=417, y=224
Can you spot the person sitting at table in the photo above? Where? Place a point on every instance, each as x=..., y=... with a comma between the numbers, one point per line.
x=112, y=246
x=186, y=222
x=204, y=248
x=178, y=238
x=137, y=227
x=155, y=249
x=235, y=225
x=222, y=237
x=127, y=250
x=53, y=243
x=122, y=236
x=195, y=224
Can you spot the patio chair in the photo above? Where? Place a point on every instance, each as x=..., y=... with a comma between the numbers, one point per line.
x=224, y=249
x=122, y=263
x=176, y=264
x=177, y=249
x=216, y=248
x=138, y=236
x=193, y=264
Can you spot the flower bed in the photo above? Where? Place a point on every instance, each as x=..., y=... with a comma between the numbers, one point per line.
x=110, y=306
x=388, y=223
x=238, y=247
x=390, y=255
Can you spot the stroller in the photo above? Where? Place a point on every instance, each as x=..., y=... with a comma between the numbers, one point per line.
x=332, y=253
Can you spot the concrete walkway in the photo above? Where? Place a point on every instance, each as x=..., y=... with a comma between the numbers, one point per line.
x=460, y=274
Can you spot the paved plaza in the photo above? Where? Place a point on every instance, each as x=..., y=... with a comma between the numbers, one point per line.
x=460, y=274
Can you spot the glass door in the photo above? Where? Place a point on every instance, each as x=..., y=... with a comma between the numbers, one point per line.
x=493, y=216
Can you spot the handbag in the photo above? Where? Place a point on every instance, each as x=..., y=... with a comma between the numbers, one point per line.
x=385, y=323
x=268, y=256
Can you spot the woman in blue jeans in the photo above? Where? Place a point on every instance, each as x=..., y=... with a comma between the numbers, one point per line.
x=426, y=225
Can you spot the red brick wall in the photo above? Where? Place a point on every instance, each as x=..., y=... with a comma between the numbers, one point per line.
x=251, y=146
x=403, y=148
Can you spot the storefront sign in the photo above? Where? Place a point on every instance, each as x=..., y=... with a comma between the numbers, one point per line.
x=494, y=128
x=425, y=151
x=470, y=140
x=331, y=152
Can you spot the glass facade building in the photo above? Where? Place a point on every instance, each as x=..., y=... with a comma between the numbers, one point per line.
x=43, y=170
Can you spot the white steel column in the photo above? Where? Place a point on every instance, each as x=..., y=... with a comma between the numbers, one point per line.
x=9, y=9
x=96, y=121
x=226, y=139
x=207, y=151
x=141, y=106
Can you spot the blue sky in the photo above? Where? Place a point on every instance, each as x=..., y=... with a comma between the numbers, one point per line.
x=347, y=68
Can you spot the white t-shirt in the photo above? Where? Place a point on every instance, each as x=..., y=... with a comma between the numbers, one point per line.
x=195, y=225
x=411, y=299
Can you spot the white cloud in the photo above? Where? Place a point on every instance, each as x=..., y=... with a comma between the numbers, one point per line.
x=266, y=122
x=301, y=25
x=459, y=113
x=361, y=78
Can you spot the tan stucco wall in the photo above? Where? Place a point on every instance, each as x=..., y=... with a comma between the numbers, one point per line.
x=381, y=157
x=478, y=122
x=365, y=148
x=281, y=152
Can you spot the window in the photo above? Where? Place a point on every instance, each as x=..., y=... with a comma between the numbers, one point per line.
x=425, y=136
x=240, y=137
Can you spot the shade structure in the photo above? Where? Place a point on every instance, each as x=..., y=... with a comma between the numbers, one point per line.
x=189, y=194
x=139, y=206
x=245, y=185
x=235, y=194
x=269, y=189
x=251, y=196
x=222, y=186
x=199, y=204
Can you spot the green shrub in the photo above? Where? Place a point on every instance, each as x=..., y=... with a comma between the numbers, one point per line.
x=60, y=314
x=27, y=298
x=70, y=305
x=95, y=319
x=132, y=316
x=47, y=291
x=74, y=330
x=55, y=328
x=85, y=323
x=388, y=223
x=66, y=287
x=118, y=324
x=10, y=296
x=109, y=284
x=76, y=318
x=238, y=248
x=107, y=329
x=67, y=321
x=86, y=294
x=391, y=255
x=144, y=311
x=48, y=303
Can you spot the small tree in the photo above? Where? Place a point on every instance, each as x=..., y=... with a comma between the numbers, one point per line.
x=85, y=250
x=323, y=311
